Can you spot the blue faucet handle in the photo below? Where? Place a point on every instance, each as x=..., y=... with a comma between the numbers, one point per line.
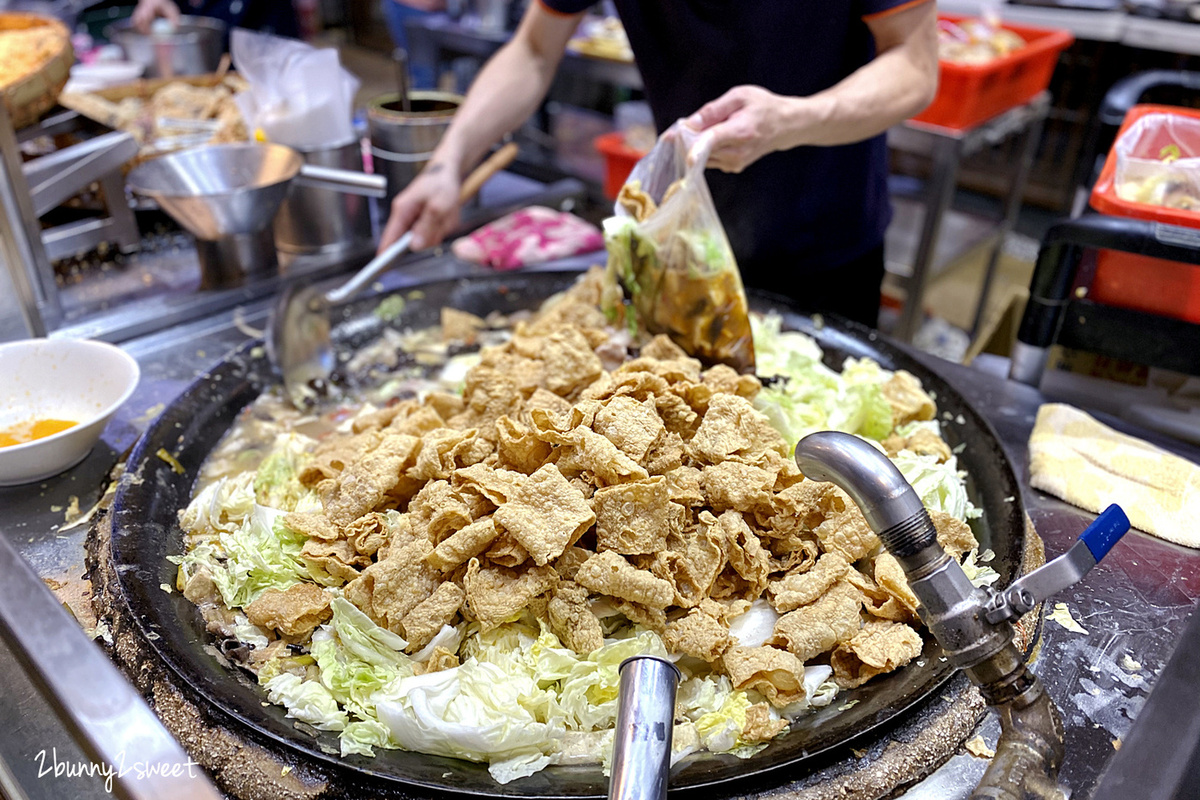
x=1105, y=531
x=1065, y=571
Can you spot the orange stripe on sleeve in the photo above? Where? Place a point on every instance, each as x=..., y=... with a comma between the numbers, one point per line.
x=549, y=10
x=887, y=12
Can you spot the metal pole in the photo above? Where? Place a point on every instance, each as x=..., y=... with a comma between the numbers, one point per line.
x=1016, y=196
x=947, y=152
x=645, y=721
x=20, y=236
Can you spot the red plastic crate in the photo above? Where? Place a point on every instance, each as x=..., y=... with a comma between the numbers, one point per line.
x=972, y=93
x=1137, y=282
x=619, y=160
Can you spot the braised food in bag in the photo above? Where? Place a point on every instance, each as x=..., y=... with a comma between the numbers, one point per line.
x=667, y=248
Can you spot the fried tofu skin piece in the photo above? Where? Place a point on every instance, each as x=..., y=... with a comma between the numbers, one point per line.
x=609, y=574
x=337, y=559
x=775, y=674
x=463, y=544
x=632, y=426
x=908, y=400
x=749, y=564
x=546, y=515
x=572, y=620
x=633, y=518
x=760, y=725
x=817, y=628
x=733, y=429
x=799, y=589
x=313, y=524
x=699, y=635
x=389, y=589
x=880, y=647
x=891, y=579
x=954, y=535
x=293, y=612
x=496, y=595
x=740, y=487
x=427, y=617
x=460, y=326
x=844, y=529
x=570, y=362
x=364, y=484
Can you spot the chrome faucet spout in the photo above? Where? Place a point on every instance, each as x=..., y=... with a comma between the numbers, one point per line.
x=971, y=624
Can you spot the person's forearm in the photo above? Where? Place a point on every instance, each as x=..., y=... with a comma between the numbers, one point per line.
x=505, y=93
x=879, y=95
x=894, y=86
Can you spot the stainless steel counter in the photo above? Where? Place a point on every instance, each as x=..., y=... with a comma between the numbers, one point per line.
x=1134, y=604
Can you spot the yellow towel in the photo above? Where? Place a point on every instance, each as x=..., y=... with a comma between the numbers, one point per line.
x=1090, y=465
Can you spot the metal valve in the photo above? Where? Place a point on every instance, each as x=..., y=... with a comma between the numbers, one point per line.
x=1068, y=569
x=972, y=625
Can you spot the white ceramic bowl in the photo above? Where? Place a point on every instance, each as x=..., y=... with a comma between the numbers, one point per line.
x=59, y=379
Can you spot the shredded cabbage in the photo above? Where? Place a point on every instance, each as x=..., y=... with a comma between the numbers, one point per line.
x=979, y=574
x=476, y=711
x=941, y=487
x=307, y=701
x=359, y=660
x=277, y=483
x=809, y=396
x=361, y=737
x=221, y=507
x=262, y=553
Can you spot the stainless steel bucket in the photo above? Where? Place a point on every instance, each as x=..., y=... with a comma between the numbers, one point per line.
x=324, y=220
x=193, y=48
x=401, y=144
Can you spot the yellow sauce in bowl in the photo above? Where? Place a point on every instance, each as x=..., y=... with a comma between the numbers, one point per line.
x=33, y=429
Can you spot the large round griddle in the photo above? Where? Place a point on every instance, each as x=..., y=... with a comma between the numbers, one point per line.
x=146, y=531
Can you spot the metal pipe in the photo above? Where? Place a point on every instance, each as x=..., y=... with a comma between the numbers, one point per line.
x=645, y=721
x=890, y=505
x=1029, y=752
x=21, y=250
x=1031, y=740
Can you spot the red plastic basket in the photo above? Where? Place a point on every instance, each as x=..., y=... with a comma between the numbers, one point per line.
x=972, y=93
x=1138, y=282
x=619, y=160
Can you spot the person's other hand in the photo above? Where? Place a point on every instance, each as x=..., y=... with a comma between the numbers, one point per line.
x=149, y=10
x=428, y=206
x=746, y=123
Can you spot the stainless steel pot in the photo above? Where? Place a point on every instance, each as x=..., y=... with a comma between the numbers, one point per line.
x=314, y=219
x=402, y=143
x=193, y=48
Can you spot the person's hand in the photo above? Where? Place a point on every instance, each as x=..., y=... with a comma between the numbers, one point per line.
x=746, y=123
x=428, y=206
x=149, y=10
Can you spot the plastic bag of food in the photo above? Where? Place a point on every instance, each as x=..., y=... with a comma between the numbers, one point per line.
x=1158, y=162
x=667, y=248
x=299, y=96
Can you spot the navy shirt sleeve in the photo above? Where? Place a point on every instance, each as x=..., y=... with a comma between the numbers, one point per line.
x=875, y=9
x=566, y=6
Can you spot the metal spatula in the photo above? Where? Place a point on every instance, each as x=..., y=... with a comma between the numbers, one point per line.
x=298, y=342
